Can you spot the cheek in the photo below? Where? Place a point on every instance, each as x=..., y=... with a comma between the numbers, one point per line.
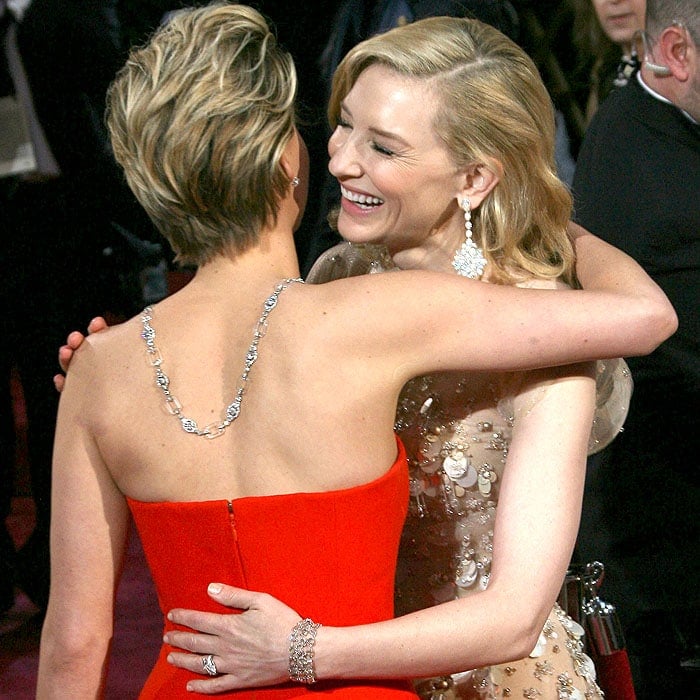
x=598, y=9
x=422, y=211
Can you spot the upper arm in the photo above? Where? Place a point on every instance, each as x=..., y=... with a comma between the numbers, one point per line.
x=434, y=321
x=89, y=518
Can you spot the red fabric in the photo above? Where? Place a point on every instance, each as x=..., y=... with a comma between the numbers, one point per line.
x=615, y=676
x=331, y=556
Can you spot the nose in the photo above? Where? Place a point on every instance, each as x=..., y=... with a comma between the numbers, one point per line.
x=343, y=155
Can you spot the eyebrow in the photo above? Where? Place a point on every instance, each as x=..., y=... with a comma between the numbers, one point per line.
x=378, y=132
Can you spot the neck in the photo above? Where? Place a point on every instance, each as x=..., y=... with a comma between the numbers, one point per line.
x=666, y=86
x=258, y=268
x=435, y=252
x=423, y=258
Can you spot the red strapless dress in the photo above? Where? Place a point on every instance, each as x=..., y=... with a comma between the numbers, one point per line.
x=331, y=556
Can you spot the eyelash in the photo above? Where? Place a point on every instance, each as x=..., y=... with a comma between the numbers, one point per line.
x=382, y=150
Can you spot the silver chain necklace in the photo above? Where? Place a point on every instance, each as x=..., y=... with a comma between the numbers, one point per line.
x=213, y=430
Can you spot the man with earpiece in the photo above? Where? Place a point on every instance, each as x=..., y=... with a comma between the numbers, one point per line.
x=637, y=185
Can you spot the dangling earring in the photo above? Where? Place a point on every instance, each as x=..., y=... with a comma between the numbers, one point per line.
x=469, y=260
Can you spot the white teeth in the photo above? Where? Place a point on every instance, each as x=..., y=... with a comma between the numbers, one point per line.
x=360, y=198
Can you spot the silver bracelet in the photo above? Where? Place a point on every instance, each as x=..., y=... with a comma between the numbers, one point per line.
x=301, y=651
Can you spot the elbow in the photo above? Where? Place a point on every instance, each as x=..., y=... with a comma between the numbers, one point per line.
x=533, y=608
x=519, y=632
x=660, y=323
x=526, y=634
x=73, y=653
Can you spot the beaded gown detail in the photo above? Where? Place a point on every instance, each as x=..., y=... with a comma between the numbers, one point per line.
x=330, y=556
x=457, y=429
x=458, y=451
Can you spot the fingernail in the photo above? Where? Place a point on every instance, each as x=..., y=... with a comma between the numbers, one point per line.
x=215, y=588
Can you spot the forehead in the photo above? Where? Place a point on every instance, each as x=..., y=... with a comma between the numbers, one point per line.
x=386, y=98
x=388, y=82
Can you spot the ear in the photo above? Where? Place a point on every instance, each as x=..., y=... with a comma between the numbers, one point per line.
x=289, y=167
x=479, y=180
x=673, y=48
x=291, y=156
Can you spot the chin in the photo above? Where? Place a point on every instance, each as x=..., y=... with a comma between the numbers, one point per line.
x=620, y=36
x=356, y=234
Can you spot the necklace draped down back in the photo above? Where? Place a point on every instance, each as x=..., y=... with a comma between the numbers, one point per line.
x=213, y=430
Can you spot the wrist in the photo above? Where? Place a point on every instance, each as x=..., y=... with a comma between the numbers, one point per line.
x=344, y=653
x=302, y=642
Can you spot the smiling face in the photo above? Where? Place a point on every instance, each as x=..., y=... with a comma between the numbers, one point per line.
x=437, y=110
x=620, y=19
x=399, y=186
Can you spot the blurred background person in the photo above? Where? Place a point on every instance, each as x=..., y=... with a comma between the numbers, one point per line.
x=606, y=34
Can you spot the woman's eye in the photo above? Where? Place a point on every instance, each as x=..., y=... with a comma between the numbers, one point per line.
x=342, y=124
x=382, y=149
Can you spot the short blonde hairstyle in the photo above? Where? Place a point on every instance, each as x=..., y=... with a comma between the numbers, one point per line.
x=199, y=118
x=492, y=108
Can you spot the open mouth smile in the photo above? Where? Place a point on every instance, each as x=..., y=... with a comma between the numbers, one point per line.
x=364, y=201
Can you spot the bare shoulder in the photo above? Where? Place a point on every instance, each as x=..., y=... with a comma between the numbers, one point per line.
x=112, y=339
x=362, y=308
x=101, y=354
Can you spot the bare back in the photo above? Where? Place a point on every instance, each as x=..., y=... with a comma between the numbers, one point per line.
x=314, y=415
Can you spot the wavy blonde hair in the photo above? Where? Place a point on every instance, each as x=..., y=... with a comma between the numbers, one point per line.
x=492, y=108
x=199, y=118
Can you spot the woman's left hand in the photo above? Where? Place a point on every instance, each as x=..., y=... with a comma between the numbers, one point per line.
x=249, y=650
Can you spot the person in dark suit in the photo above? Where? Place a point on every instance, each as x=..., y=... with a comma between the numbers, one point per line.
x=636, y=186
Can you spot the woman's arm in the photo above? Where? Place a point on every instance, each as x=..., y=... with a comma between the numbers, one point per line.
x=601, y=267
x=622, y=312
x=89, y=525
x=430, y=322
x=626, y=312
x=536, y=525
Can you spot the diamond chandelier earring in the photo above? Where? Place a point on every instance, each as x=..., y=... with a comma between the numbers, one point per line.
x=469, y=260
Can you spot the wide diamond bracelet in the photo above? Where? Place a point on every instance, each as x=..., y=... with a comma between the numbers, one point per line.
x=301, y=651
